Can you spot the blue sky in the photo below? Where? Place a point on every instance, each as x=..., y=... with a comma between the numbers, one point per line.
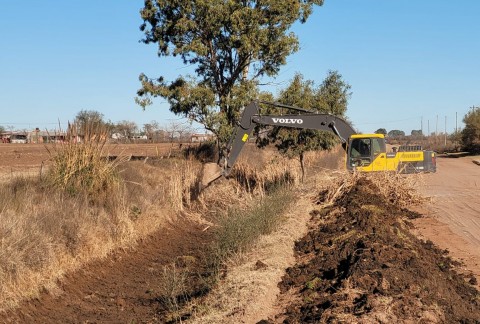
x=407, y=61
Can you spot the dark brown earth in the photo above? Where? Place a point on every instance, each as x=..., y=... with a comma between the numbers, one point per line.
x=362, y=264
x=123, y=289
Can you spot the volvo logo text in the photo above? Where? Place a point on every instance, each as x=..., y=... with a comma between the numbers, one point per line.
x=287, y=121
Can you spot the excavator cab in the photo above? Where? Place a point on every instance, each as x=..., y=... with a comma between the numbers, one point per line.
x=366, y=152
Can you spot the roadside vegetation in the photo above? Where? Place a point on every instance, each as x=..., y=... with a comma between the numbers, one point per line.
x=84, y=205
x=50, y=227
x=81, y=208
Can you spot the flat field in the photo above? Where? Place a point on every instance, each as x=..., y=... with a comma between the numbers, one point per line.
x=16, y=159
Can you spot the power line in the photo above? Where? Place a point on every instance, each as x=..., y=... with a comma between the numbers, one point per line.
x=387, y=122
x=36, y=123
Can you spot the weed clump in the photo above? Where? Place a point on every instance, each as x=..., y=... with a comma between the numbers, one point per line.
x=238, y=229
x=82, y=165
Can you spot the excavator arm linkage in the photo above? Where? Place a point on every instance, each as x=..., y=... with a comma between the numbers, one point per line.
x=308, y=120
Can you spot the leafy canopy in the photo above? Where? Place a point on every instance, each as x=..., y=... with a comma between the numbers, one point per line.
x=416, y=132
x=471, y=132
x=230, y=44
x=330, y=97
x=396, y=133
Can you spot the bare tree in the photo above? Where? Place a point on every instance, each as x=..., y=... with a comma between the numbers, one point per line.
x=179, y=130
x=150, y=130
x=126, y=128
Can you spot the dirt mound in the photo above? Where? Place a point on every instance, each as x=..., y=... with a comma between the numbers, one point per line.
x=362, y=264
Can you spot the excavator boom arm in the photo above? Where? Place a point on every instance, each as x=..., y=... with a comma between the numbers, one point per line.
x=309, y=120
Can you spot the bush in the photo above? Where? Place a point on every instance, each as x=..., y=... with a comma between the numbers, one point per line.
x=81, y=166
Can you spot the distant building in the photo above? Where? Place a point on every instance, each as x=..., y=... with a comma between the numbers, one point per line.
x=19, y=138
x=37, y=136
x=16, y=137
x=5, y=137
x=200, y=138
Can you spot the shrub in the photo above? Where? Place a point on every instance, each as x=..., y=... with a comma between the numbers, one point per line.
x=239, y=229
x=81, y=166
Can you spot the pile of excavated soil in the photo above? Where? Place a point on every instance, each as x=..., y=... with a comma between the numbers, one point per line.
x=362, y=264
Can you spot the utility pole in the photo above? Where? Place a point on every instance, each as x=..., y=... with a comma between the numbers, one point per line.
x=428, y=127
x=421, y=124
x=445, y=131
x=456, y=123
x=436, y=128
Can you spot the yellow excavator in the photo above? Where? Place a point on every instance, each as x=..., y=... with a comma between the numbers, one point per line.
x=364, y=152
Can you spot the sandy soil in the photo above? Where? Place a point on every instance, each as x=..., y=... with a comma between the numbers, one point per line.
x=452, y=219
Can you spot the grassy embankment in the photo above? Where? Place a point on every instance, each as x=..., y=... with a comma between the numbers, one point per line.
x=80, y=209
x=85, y=206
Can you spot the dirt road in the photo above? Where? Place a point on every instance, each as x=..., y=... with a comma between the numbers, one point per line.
x=453, y=217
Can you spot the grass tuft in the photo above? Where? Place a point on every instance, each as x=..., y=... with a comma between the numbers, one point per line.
x=238, y=229
x=82, y=165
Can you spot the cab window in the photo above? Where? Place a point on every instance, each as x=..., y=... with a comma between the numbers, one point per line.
x=378, y=146
x=360, y=147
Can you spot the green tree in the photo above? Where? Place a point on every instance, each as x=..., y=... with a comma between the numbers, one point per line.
x=381, y=131
x=230, y=44
x=396, y=133
x=88, y=121
x=333, y=94
x=471, y=132
x=2, y=129
x=416, y=132
x=330, y=97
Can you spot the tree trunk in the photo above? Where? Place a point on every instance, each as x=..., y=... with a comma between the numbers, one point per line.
x=302, y=165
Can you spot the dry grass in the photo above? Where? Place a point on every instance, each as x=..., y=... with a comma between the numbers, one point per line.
x=250, y=288
x=173, y=291
x=82, y=209
x=81, y=166
x=258, y=171
x=184, y=184
x=399, y=189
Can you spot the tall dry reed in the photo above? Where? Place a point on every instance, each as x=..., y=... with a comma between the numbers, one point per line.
x=184, y=183
x=84, y=206
x=81, y=164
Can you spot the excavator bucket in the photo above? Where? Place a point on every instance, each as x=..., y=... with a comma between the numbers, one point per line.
x=211, y=172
